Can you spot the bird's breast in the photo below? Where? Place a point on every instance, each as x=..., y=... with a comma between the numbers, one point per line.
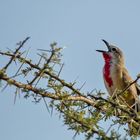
x=112, y=77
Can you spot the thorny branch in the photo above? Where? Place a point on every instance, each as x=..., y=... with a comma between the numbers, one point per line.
x=70, y=86
x=93, y=107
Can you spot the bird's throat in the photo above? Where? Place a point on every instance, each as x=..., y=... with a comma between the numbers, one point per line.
x=106, y=70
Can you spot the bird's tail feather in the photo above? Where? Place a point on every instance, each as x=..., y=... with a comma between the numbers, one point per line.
x=137, y=105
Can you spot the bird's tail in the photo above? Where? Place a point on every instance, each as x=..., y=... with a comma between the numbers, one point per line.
x=134, y=126
x=137, y=105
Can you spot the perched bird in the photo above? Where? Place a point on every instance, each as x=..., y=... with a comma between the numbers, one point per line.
x=117, y=78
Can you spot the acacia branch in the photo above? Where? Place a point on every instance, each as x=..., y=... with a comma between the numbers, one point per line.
x=57, y=96
x=70, y=86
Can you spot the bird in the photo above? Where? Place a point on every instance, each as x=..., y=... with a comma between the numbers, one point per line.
x=116, y=77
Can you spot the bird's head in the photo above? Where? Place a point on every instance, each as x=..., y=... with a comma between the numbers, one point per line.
x=113, y=54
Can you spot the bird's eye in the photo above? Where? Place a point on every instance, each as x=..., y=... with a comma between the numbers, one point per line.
x=114, y=49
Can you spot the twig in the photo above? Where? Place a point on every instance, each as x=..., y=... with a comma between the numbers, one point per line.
x=16, y=51
x=43, y=69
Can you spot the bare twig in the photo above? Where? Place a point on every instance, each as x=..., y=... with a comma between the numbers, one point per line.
x=15, y=53
x=43, y=69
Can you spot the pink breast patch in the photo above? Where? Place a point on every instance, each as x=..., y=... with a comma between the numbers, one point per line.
x=106, y=71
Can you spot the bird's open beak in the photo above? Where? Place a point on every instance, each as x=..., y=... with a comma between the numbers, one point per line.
x=107, y=44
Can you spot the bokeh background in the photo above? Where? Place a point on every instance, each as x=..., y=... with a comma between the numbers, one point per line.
x=79, y=26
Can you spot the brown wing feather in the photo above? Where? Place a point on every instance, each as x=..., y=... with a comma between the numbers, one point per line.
x=132, y=92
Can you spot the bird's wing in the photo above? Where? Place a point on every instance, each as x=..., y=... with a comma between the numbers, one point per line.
x=126, y=81
x=134, y=89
